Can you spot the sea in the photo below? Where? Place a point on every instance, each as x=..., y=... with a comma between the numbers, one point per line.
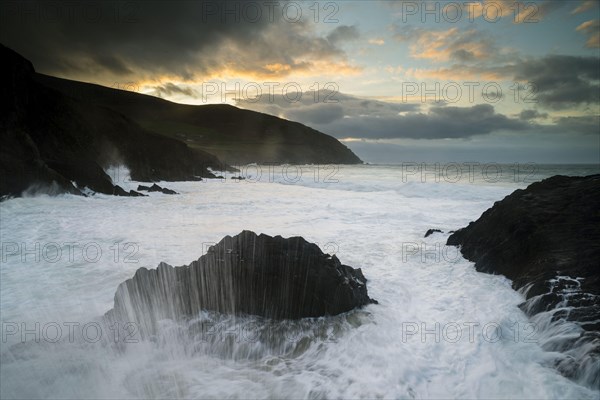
x=441, y=329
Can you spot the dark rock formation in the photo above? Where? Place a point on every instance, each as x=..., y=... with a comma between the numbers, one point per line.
x=550, y=228
x=246, y=274
x=119, y=191
x=55, y=141
x=546, y=239
x=22, y=164
x=156, y=188
x=432, y=231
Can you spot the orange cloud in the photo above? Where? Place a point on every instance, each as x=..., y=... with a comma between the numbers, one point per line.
x=278, y=68
x=270, y=72
x=461, y=73
x=592, y=29
x=585, y=6
x=452, y=44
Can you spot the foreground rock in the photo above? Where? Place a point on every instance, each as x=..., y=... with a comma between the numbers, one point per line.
x=253, y=274
x=546, y=239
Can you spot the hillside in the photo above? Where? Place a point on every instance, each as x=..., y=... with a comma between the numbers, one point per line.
x=60, y=144
x=60, y=135
x=234, y=135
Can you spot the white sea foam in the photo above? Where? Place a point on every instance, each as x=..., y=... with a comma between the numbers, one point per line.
x=405, y=347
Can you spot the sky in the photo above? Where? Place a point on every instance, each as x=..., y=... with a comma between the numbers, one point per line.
x=395, y=81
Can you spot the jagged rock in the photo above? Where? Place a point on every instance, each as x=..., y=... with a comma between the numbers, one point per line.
x=133, y=193
x=432, y=231
x=156, y=188
x=246, y=274
x=119, y=191
x=546, y=239
x=169, y=191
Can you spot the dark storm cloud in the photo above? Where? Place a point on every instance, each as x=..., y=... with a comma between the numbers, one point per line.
x=325, y=107
x=170, y=89
x=181, y=38
x=438, y=123
x=562, y=81
x=527, y=115
x=331, y=96
x=343, y=33
x=453, y=123
x=589, y=125
x=112, y=63
x=555, y=82
x=355, y=117
x=317, y=114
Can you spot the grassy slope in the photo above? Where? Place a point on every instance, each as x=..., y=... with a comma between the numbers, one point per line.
x=234, y=135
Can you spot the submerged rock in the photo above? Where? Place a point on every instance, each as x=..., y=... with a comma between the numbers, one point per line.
x=432, y=231
x=546, y=239
x=119, y=191
x=252, y=274
x=133, y=193
x=156, y=188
